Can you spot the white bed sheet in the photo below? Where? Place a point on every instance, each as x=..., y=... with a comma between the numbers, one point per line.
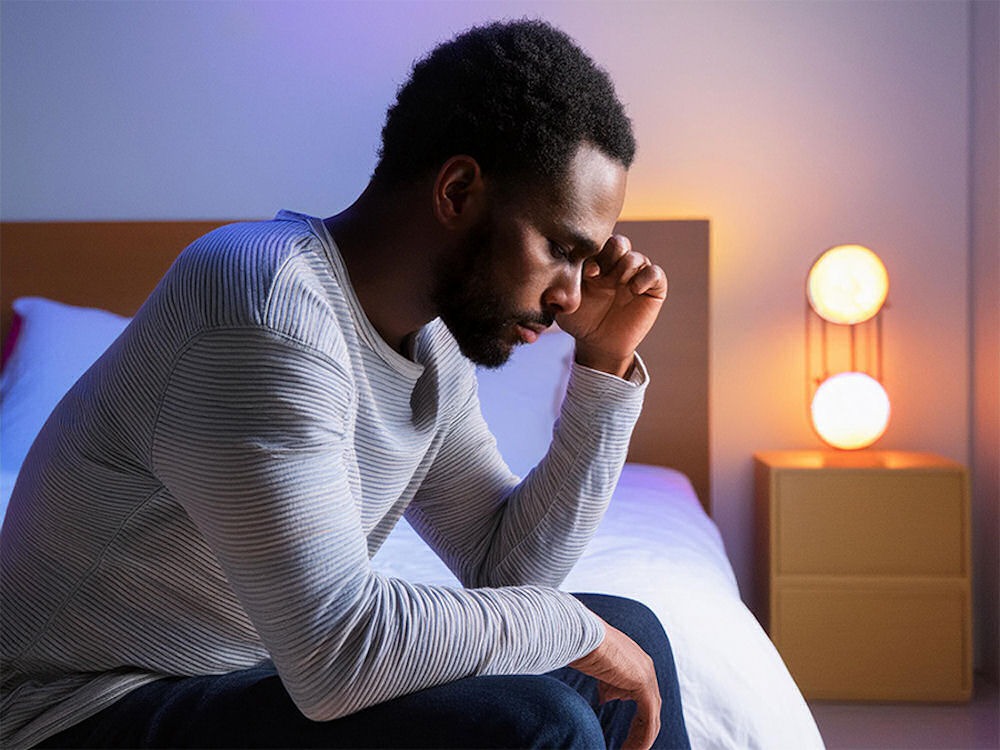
x=657, y=545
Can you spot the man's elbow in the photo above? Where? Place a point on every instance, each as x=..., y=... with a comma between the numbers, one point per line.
x=322, y=707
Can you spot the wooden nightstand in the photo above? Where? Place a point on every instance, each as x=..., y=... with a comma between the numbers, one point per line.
x=865, y=561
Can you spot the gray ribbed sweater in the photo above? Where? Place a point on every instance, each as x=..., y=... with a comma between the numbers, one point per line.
x=209, y=494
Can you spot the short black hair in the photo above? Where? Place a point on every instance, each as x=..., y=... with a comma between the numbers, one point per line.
x=517, y=96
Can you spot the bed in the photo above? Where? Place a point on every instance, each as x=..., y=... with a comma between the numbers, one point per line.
x=69, y=287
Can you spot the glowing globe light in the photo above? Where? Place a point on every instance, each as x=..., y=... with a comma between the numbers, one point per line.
x=848, y=284
x=850, y=410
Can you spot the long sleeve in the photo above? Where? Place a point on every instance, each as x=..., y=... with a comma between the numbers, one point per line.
x=492, y=530
x=252, y=440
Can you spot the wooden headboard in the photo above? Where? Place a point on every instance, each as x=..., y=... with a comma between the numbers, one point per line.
x=114, y=266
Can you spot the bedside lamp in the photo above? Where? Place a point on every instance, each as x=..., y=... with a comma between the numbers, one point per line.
x=846, y=291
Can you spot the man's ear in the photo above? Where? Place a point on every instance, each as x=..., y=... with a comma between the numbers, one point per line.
x=459, y=192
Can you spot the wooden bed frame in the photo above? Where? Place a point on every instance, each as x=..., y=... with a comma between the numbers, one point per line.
x=114, y=266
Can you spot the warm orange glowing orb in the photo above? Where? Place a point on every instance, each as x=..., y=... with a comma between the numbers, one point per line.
x=848, y=284
x=850, y=410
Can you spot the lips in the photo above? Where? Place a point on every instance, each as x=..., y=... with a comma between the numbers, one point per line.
x=528, y=334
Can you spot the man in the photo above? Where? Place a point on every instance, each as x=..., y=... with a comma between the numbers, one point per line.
x=186, y=555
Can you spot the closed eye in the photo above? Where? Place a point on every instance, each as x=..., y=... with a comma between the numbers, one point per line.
x=559, y=252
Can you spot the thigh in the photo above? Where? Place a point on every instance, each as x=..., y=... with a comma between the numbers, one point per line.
x=252, y=709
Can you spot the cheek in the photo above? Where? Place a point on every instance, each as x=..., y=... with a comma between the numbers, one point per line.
x=528, y=283
x=521, y=267
x=516, y=269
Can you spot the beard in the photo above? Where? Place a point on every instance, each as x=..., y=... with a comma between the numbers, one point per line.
x=471, y=303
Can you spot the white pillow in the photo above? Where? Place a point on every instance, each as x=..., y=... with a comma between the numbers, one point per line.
x=520, y=401
x=55, y=345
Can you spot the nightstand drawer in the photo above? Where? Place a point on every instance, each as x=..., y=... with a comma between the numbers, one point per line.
x=855, y=522
x=878, y=642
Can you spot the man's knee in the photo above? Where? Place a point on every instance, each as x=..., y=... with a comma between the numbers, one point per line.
x=547, y=713
x=631, y=617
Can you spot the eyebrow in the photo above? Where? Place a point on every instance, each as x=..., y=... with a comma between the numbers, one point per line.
x=581, y=241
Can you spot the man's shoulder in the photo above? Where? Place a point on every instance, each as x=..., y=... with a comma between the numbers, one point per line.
x=272, y=274
x=248, y=245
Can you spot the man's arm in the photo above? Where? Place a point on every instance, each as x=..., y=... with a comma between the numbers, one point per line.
x=251, y=440
x=622, y=295
x=492, y=532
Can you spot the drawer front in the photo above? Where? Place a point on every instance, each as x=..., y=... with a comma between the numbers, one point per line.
x=875, y=522
x=877, y=642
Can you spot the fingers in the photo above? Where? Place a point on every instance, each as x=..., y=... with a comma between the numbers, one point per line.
x=646, y=722
x=624, y=671
x=617, y=247
x=650, y=281
x=618, y=264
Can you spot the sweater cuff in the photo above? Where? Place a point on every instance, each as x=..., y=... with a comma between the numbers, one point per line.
x=603, y=406
x=638, y=378
x=594, y=630
x=589, y=386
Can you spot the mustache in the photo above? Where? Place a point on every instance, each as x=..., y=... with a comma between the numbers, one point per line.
x=544, y=319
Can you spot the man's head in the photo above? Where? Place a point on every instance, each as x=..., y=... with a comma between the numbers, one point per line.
x=518, y=97
x=521, y=262
x=527, y=146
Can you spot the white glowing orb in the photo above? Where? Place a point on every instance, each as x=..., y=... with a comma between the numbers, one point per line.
x=850, y=410
x=848, y=284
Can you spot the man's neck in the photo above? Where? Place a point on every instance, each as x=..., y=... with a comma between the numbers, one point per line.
x=389, y=249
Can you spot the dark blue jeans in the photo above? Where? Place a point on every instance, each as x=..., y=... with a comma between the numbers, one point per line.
x=250, y=708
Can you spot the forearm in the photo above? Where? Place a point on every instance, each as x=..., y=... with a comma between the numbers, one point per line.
x=404, y=638
x=550, y=517
x=492, y=529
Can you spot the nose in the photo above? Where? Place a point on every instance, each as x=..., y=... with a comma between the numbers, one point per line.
x=563, y=295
